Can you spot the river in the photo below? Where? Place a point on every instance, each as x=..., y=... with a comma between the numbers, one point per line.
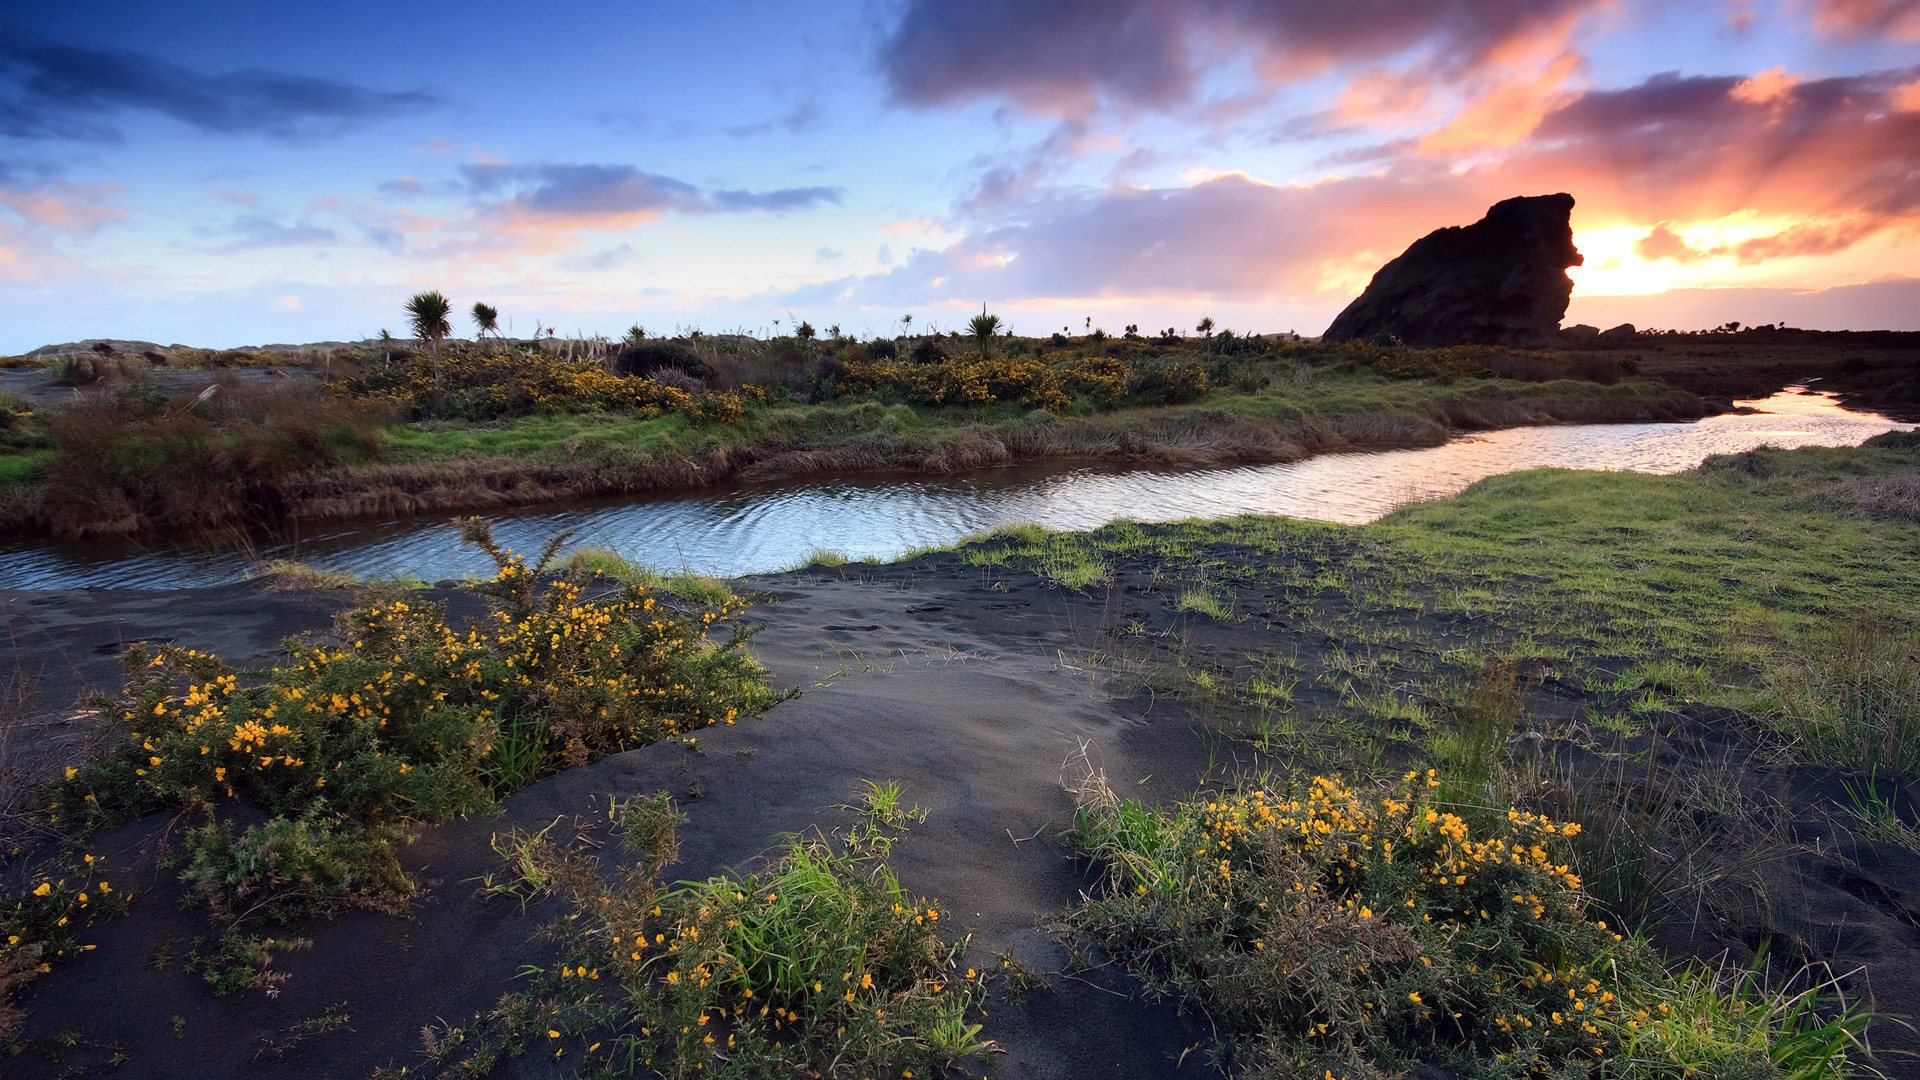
x=755, y=528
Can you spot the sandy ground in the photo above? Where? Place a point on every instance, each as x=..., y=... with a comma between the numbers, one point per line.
x=962, y=684
x=892, y=689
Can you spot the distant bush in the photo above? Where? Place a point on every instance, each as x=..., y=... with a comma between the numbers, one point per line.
x=882, y=349
x=1170, y=382
x=501, y=385
x=928, y=351
x=135, y=460
x=962, y=382
x=647, y=357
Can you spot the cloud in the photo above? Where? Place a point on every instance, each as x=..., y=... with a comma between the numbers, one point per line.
x=1802, y=167
x=827, y=255
x=404, y=186
x=54, y=91
x=1074, y=56
x=606, y=259
x=251, y=231
x=569, y=197
x=1229, y=238
x=805, y=116
x=62, y=207
x=1897, y=19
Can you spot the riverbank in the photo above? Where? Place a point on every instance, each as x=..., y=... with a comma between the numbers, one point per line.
x=384, y=444
x=1665, y=660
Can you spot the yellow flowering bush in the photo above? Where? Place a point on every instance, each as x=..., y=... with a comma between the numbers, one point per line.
x=40, y=923
x=411, y=719
x=1376, y=930
x=820, y=964
x=408, y=720
x=1030, y=382
x=492, y=387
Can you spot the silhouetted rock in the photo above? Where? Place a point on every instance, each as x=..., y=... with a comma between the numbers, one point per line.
x=1624, y=334
x=1581, y=332
x=1500, y=281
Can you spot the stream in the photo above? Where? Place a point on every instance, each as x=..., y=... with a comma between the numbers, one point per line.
x=749, y=529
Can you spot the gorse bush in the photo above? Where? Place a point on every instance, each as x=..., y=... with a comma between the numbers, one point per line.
x=820, y=964
x=1371, y=931
x=409, y=721
x=500, y=385
x=961, y=382
x=400, y=723
x=41, y=922
x=1357, y=935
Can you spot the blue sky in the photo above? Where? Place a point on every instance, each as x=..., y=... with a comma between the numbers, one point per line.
x=233, y=173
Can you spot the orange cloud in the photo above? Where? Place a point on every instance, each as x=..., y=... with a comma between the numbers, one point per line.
x=1897, y=19
x=75, y=209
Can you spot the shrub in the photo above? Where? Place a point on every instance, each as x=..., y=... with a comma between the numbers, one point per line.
x=1100, y=379
x=501, y=385
x=1358, y=935
x=409, y=721
x=129, y=462
x=400, y=723
x=647, y=357
x=1372, y=931
x=820, y=964
x=1170, y=382
x=962, y=382
x=882, y=349
x=296, y=866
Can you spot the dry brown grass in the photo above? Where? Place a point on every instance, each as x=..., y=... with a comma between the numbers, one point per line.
x=133, y=461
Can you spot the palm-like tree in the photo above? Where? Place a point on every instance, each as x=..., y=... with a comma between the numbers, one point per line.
x=487, y=318
x=983, y=326
x=428, y=312
x=906, y=325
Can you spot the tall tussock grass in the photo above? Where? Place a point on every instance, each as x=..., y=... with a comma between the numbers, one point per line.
x=134, y=460
x=1849, y=696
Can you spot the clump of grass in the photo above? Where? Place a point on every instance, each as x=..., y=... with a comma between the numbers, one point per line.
x=286, y=574
x=1204, y=602
x=134, y=461
x=1849, y=696
x=1361, y=934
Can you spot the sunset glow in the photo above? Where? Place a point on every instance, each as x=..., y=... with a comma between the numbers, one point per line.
x=216, y=176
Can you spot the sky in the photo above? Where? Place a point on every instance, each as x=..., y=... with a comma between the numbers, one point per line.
x=223, y=173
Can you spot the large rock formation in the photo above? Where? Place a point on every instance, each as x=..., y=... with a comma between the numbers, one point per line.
x=1500, y=281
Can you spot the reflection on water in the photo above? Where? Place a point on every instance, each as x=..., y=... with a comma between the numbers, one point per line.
x=758, y=528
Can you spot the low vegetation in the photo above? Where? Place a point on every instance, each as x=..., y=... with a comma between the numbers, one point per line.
x=410, y=722
x=458, y=426
x=818, y=964
x=1337, y=931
